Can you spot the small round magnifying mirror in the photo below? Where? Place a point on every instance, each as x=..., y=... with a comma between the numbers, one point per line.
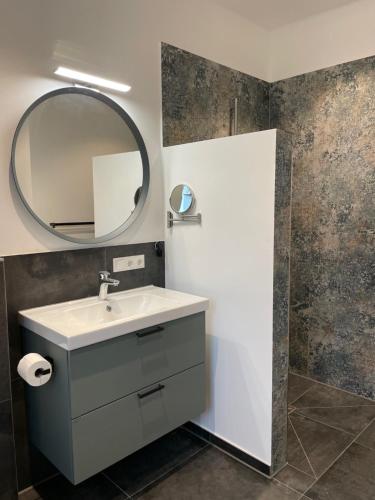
x=181, y=199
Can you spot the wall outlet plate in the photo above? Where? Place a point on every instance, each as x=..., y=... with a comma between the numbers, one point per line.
x=128, y=263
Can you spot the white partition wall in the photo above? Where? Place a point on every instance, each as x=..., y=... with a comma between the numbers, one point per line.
x=229, y=259
x=114, y=193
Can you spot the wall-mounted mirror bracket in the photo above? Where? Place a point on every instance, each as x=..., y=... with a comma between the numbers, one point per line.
x=182, y=218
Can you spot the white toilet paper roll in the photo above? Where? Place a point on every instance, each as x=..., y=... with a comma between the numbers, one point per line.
x=34, y=369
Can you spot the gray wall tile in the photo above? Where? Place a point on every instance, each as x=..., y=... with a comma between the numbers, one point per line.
x=281, y=300
x=7, y=466
x=198, y=95
x=330, y=115
x=4, y=348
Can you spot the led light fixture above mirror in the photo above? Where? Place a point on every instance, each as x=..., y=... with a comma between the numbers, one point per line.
x=78, y=76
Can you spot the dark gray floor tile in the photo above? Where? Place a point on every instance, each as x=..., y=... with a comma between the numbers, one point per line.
x=294, y=478
x=29, y=494
x=212, y=475
x=367, y=438
x=297, y=386
x=154, y=461
x=95, y=488
x=322, y=396
x=350, y=478
x=296, y=455
x=7, y=466
x=351, y=419
x=321, y=443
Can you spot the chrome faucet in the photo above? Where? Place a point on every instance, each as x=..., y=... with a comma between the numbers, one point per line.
x=105, y=281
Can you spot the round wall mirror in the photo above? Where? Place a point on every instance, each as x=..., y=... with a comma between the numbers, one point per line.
x=181, y=199
x=77, y=160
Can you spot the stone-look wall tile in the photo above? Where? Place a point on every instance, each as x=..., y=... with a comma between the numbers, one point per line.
x=330, y=115
x=45, y=278
x=198, y=98
x=8, y=489
x=4, y=348
x=281, y=300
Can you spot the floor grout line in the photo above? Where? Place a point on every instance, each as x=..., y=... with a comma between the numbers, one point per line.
x=332, y=387
x=170, y=471
x=337, y=406
x=303, y=449
x=286, y=486
x=338, y=457
x=116, y=485
x=39, y=483
x=364, y=446
x=299, y=470
x=327, y=425
x=294, y=400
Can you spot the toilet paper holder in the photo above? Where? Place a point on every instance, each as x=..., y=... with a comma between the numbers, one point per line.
x=40, y=372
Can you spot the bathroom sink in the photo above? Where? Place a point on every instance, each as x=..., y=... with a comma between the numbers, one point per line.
x=79, y=323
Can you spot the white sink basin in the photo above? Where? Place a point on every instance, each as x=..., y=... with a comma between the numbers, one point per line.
x=79, y=323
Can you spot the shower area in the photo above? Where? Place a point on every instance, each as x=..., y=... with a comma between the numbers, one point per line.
x=328, y=117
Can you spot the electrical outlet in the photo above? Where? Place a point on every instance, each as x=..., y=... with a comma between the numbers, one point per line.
x=128, y=263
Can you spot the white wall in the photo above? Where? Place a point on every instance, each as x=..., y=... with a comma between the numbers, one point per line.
x=116, y=179
x=229, y=259
x=119, y=39
x=334, y=37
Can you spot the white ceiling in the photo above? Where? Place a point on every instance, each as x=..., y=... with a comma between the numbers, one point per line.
x=271, y=14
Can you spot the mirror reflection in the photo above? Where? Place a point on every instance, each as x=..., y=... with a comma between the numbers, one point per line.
x=78, y=166
x=181, y=199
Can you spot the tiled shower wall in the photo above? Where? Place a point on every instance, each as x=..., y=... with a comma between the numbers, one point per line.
x=198, y=98
x=330, y=115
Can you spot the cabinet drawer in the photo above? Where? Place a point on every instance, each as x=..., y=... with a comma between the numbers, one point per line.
x=104, y=372
x=107, y=435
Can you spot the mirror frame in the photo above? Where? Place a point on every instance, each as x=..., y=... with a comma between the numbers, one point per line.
x=137, y=136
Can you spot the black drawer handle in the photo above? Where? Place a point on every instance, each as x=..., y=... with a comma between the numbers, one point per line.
x=142, y=395
x=150, y=332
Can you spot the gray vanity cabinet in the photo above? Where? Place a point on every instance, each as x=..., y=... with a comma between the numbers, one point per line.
x=107, y=400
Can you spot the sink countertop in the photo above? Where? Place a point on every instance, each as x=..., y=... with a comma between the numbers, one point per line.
x=83, y=322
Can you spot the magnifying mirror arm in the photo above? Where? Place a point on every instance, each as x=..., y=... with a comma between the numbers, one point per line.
x=182, y=218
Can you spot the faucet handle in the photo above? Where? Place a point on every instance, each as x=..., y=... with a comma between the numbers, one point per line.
x=104, y=275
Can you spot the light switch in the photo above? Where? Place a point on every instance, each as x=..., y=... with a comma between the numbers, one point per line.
x=128, y=263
